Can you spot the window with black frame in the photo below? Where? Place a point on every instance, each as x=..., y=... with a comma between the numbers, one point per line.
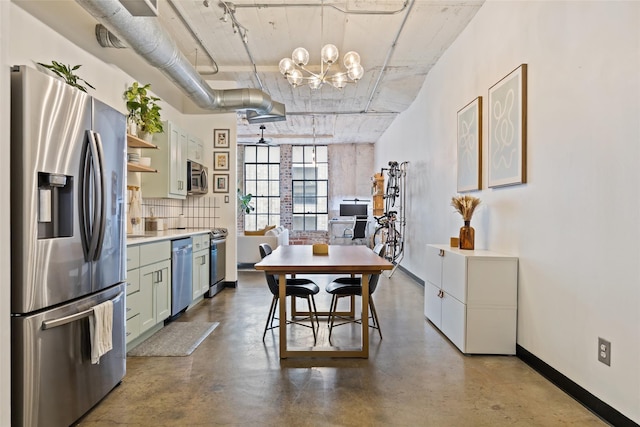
x=262, y=181
x=310, y=184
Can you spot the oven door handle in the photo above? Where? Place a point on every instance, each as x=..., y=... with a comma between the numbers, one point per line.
x=49, y=324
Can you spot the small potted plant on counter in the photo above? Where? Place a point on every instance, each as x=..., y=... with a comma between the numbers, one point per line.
x=143, y=109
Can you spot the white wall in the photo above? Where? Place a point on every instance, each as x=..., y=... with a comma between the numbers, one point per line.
x=575, y=225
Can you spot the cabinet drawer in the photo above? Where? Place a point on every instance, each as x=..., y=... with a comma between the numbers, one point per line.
x=133, y=304
x=200, y=242
x=454, y=321
x=133, y=281
x=133, y=257
x=454, y=275
x=154, y=252
x=133, y=328
x=434, y=265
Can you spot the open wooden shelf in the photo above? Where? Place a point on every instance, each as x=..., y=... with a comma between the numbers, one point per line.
x=135, y=142
x=134, y=167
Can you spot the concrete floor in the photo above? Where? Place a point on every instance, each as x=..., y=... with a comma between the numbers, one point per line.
x=413, y=377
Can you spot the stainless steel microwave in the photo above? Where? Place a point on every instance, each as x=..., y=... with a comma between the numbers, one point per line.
x=197, y=178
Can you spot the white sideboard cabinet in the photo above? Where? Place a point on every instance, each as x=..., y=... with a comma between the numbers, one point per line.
x=472, y=297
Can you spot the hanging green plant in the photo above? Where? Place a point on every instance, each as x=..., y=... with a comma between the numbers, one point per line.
x=143, y=108
x=66, y=72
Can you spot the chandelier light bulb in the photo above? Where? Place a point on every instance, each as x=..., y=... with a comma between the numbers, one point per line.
x=315, y=82
x=300, y=56
x=350, y=59
x=329, y=54
x=356, y=72
x=339, y=81
x=286, y=66
x=295, y=77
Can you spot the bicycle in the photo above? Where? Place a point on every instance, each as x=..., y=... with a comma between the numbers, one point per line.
x=392, y=190
x=387, y=233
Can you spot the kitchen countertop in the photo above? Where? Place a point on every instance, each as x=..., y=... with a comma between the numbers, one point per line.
x=155, y=236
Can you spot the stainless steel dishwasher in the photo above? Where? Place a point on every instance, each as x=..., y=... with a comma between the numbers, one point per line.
x=181, y=274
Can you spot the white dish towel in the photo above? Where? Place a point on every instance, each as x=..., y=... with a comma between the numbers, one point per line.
x=101, y=330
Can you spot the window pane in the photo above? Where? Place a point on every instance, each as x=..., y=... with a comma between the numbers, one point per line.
x=310, y=172
x=309, y=222
x=297, y=172
x=322, y=154
x=263, y=155
x=323, y=222
x=274, y=171
x=250, y=187
x=250, y=222
x=274, y=154
x=321, y=205
x=309, y=154
x=263, y=188
x=323, y=171
x=262, y=221
x=274, y=188
x=262, y=171
x=262, y=204
x=321, y=188
x=296, y=154
x=274, y=205
x=250, y=172
x=249, y=154
x=298, y=222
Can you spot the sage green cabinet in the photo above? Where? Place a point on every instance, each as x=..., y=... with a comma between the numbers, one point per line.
x=170, y=159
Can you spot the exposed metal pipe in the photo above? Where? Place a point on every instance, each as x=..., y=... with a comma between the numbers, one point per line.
x=345, y=11
x=145, y=36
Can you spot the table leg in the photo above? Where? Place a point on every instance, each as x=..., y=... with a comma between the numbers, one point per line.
x=365, y=316
x=282, y=291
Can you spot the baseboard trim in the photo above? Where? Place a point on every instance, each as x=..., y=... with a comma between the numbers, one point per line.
x=413, y=276
x=231, y=284
x=591, y=402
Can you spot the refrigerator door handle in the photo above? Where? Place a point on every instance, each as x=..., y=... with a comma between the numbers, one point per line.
x=84, y=203
x=92, y=201
x=49, y=324
x=101, y=195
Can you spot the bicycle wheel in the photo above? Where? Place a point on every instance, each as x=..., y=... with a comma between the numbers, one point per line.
x=395, y=245
x=379, y=237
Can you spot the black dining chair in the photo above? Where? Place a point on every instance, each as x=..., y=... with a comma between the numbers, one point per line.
x=296, y=288
x=352, y=286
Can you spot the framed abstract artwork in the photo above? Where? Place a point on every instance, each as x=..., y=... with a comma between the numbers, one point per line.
x=220, y=183
x=470, y=146
x=221, y=160
x=508, y=129
x=221, y=138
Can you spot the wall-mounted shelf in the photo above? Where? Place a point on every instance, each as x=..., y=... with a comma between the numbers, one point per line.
x=134, y=167
x=135, y=142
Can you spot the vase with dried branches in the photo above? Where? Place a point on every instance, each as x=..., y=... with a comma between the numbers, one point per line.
x=465, y=205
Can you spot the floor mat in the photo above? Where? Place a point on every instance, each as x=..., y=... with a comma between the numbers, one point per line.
x=175, y=339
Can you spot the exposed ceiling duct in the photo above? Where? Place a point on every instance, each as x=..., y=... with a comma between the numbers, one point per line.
x=145, y=36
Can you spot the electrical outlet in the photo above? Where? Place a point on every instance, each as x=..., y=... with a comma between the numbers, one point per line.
x=604, y=351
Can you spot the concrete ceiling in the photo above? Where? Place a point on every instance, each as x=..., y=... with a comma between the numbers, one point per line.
x=398, y=42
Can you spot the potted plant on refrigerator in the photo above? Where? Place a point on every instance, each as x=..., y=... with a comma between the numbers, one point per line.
x=144, y=110
x=66, y=72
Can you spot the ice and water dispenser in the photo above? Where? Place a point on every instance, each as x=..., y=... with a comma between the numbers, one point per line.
x=55, y=205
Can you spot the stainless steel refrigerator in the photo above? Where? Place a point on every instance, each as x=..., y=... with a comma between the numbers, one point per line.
x=67, y=247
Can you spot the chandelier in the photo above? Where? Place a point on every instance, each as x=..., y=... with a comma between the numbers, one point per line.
x=295, y=71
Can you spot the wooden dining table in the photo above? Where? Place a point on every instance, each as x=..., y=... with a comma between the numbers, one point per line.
x=300, y=259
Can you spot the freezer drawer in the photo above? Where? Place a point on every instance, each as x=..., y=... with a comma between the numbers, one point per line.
x=53, y=380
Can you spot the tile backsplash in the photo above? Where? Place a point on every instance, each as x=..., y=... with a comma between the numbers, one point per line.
x=199, y=212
